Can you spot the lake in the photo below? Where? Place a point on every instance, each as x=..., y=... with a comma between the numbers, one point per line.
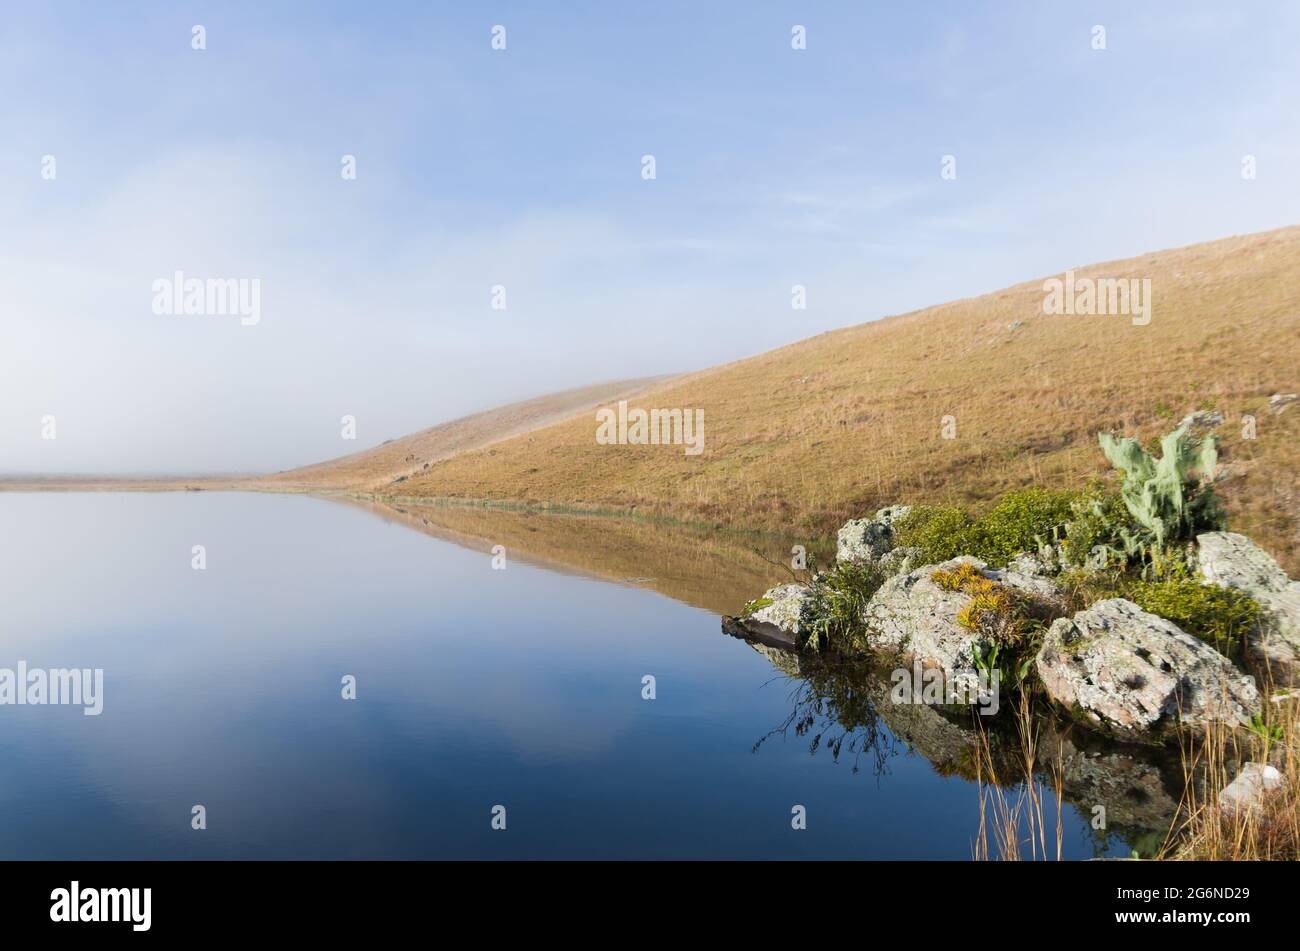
x=475, y=687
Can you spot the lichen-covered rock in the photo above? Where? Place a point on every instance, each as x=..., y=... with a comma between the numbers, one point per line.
x=1133, y=672
x=914, y=617
x=789, y=606
x=866, y=539
x=1278, y=402
x=1030, y=564
x=1234, y=561
x=1202, y=420
x=1040, y=589
x=898, y=560
x=1254, y=786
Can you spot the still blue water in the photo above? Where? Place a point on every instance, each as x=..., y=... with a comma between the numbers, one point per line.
x=475, y=688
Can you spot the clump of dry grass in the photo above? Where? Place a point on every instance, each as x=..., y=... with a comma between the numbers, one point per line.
x=1212, y=758
x=1012, y=825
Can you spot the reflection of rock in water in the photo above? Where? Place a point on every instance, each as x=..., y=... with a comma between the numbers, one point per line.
x=842, y=706
x=1138, y=788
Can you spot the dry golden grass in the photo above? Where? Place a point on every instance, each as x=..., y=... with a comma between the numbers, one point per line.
x=376, y=469
x=1211, y=761
x=1012, y=826
x=803, y=437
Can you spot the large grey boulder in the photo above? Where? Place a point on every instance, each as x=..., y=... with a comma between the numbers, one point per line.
x=866, y=539
x=1234, y=561
x=790, y=607
x=912, y=616
x=1131, y=672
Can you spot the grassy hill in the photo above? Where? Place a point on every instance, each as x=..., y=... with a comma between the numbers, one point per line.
x=383, y=466
x=803, y=437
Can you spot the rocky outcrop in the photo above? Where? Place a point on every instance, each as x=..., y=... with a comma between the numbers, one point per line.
x=866, y=539
x=1234, y=561
x=788, y=607
x=1130, y=671
x=913, y=616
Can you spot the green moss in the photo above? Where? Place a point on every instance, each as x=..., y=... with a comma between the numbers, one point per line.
x=1017, y=523
x=756, y=605
x=1219, y=616
x=939, y=531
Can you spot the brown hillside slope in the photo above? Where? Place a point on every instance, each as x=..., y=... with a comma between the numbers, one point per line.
x=376, y=469
x=803, y=437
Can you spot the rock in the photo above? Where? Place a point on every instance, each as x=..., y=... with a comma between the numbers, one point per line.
x=898, y=560
x=791, y=609
x=1234, y=561
x=914, y=617
x=1280, y=401
x=866, y=539
x=1253, y=787
x=1027, y=564
x=1132, y=672
x=785, y=661
x=1041, y=589
x=1202, y=420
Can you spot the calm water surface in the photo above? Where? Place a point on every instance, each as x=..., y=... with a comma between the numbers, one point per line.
x=476, y=687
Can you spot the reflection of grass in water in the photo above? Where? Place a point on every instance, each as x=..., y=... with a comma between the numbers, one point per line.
x=714, y=569
x=833, y=708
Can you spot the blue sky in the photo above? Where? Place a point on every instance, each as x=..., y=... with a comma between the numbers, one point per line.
x=521, y=167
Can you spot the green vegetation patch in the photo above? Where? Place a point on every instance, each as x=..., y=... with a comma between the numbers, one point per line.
x=1021, y=521
x=1219, y=616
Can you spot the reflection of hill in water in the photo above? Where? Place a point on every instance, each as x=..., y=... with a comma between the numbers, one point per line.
x=841, y=708
x=714, y=570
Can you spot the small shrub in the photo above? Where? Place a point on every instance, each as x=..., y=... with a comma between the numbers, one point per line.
x=839, y=596
x=939, y=531
x=1082, y=588
x=960, y=578
x=1219, y=616
x=1171, y=496
x=1019, y=522
x=1099, y=523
